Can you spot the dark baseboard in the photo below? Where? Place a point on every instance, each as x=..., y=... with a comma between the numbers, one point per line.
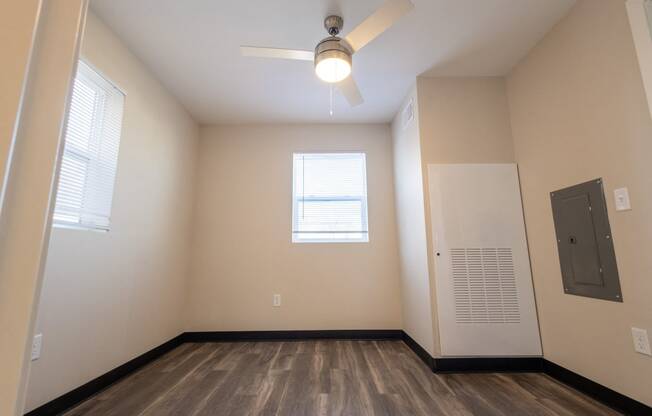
x=597, y=391
x=472, y=365
x=349, y=334
x=78, y=395
x=419, y=350
x=94, y=386
x=487, y=364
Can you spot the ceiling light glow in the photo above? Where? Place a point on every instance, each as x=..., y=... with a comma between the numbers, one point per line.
x=333, y=68
x=332, y=60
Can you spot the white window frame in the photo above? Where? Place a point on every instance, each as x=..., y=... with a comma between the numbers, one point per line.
x=296, y=235
x=87, y=157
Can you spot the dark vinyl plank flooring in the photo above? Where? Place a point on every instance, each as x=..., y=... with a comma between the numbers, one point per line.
x=329, y=377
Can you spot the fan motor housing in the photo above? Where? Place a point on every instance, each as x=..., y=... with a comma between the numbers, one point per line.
x=332, y=47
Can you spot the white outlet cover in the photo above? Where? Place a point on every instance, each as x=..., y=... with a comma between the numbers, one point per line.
x=641, y=341
x=36, y=346
x=621, y=195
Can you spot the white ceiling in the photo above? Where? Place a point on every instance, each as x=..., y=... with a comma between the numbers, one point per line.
x=193, y=48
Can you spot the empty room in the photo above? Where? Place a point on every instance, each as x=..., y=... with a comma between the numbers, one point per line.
x=325, y=207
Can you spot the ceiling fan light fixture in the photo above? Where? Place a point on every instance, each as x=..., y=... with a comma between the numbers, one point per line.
x=332, y=56
x=333, y=66
x=332, y=60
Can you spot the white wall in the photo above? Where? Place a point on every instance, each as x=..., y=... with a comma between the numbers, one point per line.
x=579, y=112
x=108, y=297
x=418, y=317
x=242, y=249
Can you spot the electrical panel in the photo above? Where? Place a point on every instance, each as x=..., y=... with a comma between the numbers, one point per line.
x=584, y=240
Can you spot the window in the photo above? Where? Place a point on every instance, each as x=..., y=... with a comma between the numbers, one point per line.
x=90, y=153
x=329, y=202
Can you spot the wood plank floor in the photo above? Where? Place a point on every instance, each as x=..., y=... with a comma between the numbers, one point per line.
x=325, y=378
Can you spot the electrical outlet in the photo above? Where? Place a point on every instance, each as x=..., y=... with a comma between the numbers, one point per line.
x=277, y=301
x=36, y=346
x=621, y=195
x=641, y=341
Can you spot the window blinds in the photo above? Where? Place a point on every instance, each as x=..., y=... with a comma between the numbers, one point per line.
x=90, y=155
x=329, y=197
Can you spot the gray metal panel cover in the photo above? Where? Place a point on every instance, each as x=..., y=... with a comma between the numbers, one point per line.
x=586, y=250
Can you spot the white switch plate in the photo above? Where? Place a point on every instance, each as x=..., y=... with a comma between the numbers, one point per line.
x=641, y=341
x=622, y=199
x=276, y=301
x=36, y=346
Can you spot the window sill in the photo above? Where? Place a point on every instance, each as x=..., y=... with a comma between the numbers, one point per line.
x=78, y=227
x=330, y=241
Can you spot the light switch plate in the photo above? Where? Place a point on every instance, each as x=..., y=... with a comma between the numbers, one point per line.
x=622, y=199
x=36, y=346
x=641, y=341
x=276, y=302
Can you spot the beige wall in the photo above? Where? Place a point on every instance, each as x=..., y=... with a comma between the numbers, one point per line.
x=418, y=319
x=108, y=297
x=24, y=223
x=18, y=24
x=579, y=112
x=464, y=120
x=461, y=120
x=242, y=236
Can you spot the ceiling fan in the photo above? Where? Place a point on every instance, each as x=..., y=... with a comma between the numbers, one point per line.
x=332, y=56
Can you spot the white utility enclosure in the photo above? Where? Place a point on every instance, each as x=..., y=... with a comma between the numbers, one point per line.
x=485, y=299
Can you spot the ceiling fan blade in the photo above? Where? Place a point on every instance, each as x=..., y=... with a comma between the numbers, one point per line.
x=381, y=20
x=350, y=91
x=297, y=54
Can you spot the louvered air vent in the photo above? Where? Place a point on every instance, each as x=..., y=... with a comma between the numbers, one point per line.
x=484, y=286
x=408, y=114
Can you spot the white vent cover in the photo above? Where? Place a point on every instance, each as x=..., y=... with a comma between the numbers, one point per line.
x=485, y=299
x=484, y=286
x=408, y=114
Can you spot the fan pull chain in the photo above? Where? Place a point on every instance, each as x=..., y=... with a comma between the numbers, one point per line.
x=331, y=99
